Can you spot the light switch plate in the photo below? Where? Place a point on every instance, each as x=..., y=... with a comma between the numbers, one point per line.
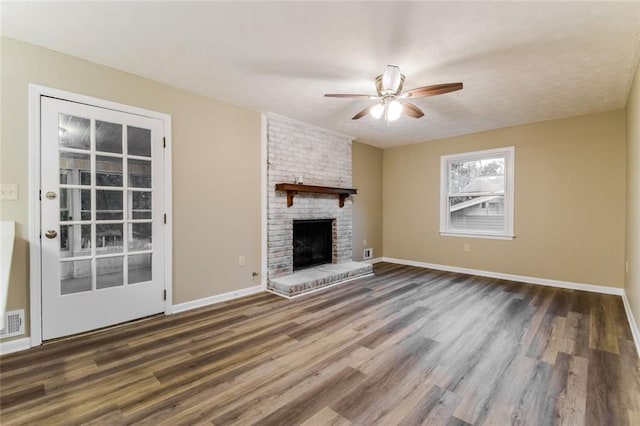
x=9, y=192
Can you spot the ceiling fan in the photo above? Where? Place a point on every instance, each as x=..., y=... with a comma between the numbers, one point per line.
x=392, y=100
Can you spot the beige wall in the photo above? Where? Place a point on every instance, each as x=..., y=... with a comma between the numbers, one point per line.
x=569, y=201
x=216, y=168
x=570, y=186
x=367, y=204
x=632, y=278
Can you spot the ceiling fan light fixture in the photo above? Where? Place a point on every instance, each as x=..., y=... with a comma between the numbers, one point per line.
x=377, y=110
x=392, y=100
x=394, y=110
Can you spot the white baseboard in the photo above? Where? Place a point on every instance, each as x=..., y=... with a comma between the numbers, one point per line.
x=218, y=298
x=374, y=260
x=632, y=322
x=15, y=345
x=520, y=278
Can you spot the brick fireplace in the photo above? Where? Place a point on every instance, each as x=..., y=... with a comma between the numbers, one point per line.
x=319, y=157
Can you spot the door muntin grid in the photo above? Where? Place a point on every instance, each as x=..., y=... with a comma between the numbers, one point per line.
x=105, y=218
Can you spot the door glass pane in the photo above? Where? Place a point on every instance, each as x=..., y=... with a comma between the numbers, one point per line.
x=108, y=137
x=75, y=276
x=71, y=166
x=75, y=204
x=109, y=272
x=109, y=238
x=139, y=268
x=140, y=236
x=140, y=205
x=66, y=177
x=139, y=173
x=74, y=132
x=75, y=240
x=138, y=141
x=109, y=204
x=85, y=177
x=108, y=171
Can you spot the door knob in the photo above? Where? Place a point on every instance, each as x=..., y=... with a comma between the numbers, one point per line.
x=51, y=234
x=50, y=195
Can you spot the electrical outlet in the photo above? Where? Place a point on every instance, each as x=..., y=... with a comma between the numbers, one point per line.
x=367, y=253
x=364, y=243
x=9, y=192
x=466, y=248
x=242, y=261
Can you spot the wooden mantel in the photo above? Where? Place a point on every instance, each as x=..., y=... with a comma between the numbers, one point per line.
x=294, y=188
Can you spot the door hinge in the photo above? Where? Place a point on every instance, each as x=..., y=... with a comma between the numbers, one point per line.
x=40, y=194
x=164, y=218
x=164, y=295
x=164, y=142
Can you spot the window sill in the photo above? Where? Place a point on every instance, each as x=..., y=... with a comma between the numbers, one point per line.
x=485, y=236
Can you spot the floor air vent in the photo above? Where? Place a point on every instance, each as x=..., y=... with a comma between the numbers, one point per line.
x=13, y=324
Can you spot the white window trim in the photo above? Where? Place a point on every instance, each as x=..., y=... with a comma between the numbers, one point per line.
x=446, y=160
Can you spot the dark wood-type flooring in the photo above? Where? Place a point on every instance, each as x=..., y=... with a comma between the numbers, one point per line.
x=406, y=346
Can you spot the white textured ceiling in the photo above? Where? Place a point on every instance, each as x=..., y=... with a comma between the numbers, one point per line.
x=519, y=62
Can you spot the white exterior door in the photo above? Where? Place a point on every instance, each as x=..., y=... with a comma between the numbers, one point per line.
x=102, y=214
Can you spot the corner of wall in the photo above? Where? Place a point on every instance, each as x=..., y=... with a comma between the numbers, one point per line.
x=632, y=228
x=367, y=205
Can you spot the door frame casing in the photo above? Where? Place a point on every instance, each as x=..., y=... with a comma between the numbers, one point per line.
x=35, y=255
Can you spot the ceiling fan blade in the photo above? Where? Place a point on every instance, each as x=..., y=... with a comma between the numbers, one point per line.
x=347, y=95
x=436, y=89
x=361, y=113
x=411, y=110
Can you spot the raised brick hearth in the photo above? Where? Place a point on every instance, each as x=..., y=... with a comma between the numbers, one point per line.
x=310, y=279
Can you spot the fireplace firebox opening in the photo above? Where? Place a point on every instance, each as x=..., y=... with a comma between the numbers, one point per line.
x=312, y=242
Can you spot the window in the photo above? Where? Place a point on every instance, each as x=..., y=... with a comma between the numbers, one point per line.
x=477, y=194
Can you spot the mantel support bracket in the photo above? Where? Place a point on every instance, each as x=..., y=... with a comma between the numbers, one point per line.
x=342, y=198
x=290, y=195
